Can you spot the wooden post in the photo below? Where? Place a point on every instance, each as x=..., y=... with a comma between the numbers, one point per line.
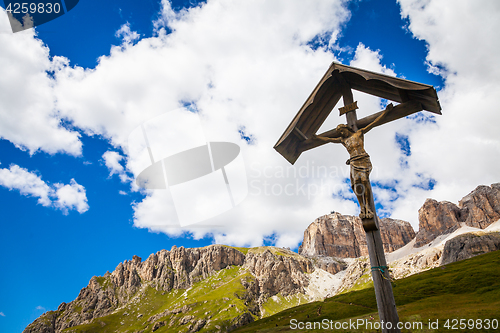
x=380, y=271
x=381, y=279
x=348, y=99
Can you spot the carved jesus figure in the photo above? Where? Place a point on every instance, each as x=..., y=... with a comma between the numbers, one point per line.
x=359, y=161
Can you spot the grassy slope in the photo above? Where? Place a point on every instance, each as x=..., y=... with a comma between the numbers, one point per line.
x=216, y=296
x=279, y=303
x=261, y=249
x=468, y=289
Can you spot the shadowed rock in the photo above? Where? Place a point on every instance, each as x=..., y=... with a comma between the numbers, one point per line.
x=469, y=245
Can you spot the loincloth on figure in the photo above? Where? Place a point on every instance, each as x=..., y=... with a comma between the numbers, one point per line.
x=360, y=164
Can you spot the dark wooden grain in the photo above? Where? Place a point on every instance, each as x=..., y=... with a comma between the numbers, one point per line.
x=399, y=111
x=337, y=82
x=386, y=304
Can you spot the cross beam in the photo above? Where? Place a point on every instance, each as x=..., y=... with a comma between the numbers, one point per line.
x=399, y=111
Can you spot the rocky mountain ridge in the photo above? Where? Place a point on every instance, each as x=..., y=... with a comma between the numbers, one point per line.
x=478, y=209
x=464, y=243
x=342, y=236
x=219, y=288
x=269, y=273
x=447, y=233
x=266, y=276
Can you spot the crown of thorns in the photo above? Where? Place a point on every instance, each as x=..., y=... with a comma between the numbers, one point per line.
x=344, y=126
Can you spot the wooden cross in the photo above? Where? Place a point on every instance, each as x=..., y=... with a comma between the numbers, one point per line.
x=300, y=136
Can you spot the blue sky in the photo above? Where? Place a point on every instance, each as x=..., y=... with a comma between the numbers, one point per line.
x=75, y=88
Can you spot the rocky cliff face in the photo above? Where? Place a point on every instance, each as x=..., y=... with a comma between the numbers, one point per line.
x=342, y=236
x=395, y=234
x=470, y=245
x=436, y=218
x=219, y=288
x=416, y=262
x=278, y=274
x=478, y=209
x=356, y=269
x=481, y=207
x=329, y=264
x=282, y=272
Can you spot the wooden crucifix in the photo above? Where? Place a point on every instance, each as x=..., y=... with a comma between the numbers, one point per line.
x=359, y=161
x=301, y=136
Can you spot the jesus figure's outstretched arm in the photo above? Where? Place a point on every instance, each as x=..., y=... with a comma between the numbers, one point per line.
x=326, y=139
x=376, y=121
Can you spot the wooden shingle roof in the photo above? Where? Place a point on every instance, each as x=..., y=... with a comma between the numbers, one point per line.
x=338, y=81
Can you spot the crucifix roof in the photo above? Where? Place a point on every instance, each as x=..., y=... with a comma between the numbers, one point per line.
x=336, y=83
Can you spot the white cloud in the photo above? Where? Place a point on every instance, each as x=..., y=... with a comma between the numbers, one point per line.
x=59, y=196
x=460, y=35
x=126, y=34
x=27, y=183
x=28, y=115
x=232, y=47
x=41, y=308
x=112, y=161
x=71, y=196
x=247, y=65
x=462, y=149
x=2, y=314
x=370, y=60
x=244, y=64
